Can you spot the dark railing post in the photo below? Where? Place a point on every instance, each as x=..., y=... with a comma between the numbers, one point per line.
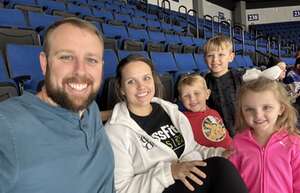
x=242, y=33
x=184, y=7
x=208, y=18
x=213, y=23
x=163, y=5
x=268, y=44
x=197, y=21
x=279, y=45
x=228, y=25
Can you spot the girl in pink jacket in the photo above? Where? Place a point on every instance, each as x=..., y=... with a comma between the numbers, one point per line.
x=267, y=148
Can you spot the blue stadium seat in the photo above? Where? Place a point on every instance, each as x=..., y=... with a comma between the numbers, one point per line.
x=25, y=5
x=79, y=10
x=151, y=17
x=186, y=64
x=138, y=34
x=12, y=3
x=139, y=21
x=110, y=63
x=188, y=44
x=115, y=32
x=104, y=14
x=164, y=62
x=139, y=13
x=4, y=75
x=124, y=53
x=78, y=2
x=125, y=18
x=173, y=39
x=202, y=66
x=127, y=10
x=51, y=6
x=248, y=61
x=113, y=7
x=23, y=60
x=174, y=43
x=7, y=87
x=96, y=4
x=12, y=18
x=18, y=36
x=289, y=61
x=106, y=97
x=153, y=25
x=238, y=62
x=40, y=21
x=157, y=37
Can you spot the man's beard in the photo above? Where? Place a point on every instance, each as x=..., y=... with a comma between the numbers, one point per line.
x=63, y=99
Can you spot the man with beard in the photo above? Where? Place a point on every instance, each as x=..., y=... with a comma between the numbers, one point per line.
x=54, y=142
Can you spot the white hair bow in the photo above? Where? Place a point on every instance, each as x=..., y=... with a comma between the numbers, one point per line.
x=272, y=73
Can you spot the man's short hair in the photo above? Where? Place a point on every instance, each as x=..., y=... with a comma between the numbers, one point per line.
x=73, y=21
x=218, y=43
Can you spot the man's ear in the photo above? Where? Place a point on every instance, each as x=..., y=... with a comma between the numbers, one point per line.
x=43, y=62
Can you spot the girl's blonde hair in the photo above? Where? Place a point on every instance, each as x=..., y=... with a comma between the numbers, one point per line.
x=286, y=120
x=220, y=42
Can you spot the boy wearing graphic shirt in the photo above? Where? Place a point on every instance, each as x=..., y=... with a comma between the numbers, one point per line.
x=207, y=124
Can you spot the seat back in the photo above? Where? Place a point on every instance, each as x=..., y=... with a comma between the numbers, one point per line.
x=12, y=18
x=202, y=66
x=163, y=62
x=50, y=5
x=18, y=36
x=7, y=90
x=23, y=60
x=7, y=87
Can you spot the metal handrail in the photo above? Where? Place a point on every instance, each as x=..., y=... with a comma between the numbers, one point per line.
x=182, y=6
x=163, y=5
x=242, y=32
x=229, y=26
x=208, y=18
x=197, y=20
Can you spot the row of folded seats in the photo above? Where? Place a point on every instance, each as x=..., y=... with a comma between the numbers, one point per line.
x=116, y=36
x=122, y=30
x=121, y=14
x=20, y=70
x=131, y=17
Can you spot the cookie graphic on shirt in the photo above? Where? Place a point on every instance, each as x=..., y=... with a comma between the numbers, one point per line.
x=213, y=129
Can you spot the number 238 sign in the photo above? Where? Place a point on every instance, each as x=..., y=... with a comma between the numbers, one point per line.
x=253, y=17
x=296, y=13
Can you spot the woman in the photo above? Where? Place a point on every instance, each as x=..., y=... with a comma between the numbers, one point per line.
x=153, y=141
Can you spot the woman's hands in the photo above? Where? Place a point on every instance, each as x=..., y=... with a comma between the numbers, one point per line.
x=181, y=170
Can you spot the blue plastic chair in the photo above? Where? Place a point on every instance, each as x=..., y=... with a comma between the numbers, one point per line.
x=23, y=60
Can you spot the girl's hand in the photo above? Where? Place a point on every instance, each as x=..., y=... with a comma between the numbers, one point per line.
x=182, y=170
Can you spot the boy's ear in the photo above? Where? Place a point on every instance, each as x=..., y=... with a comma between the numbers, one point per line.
x=208, y=93
x=232, y=55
